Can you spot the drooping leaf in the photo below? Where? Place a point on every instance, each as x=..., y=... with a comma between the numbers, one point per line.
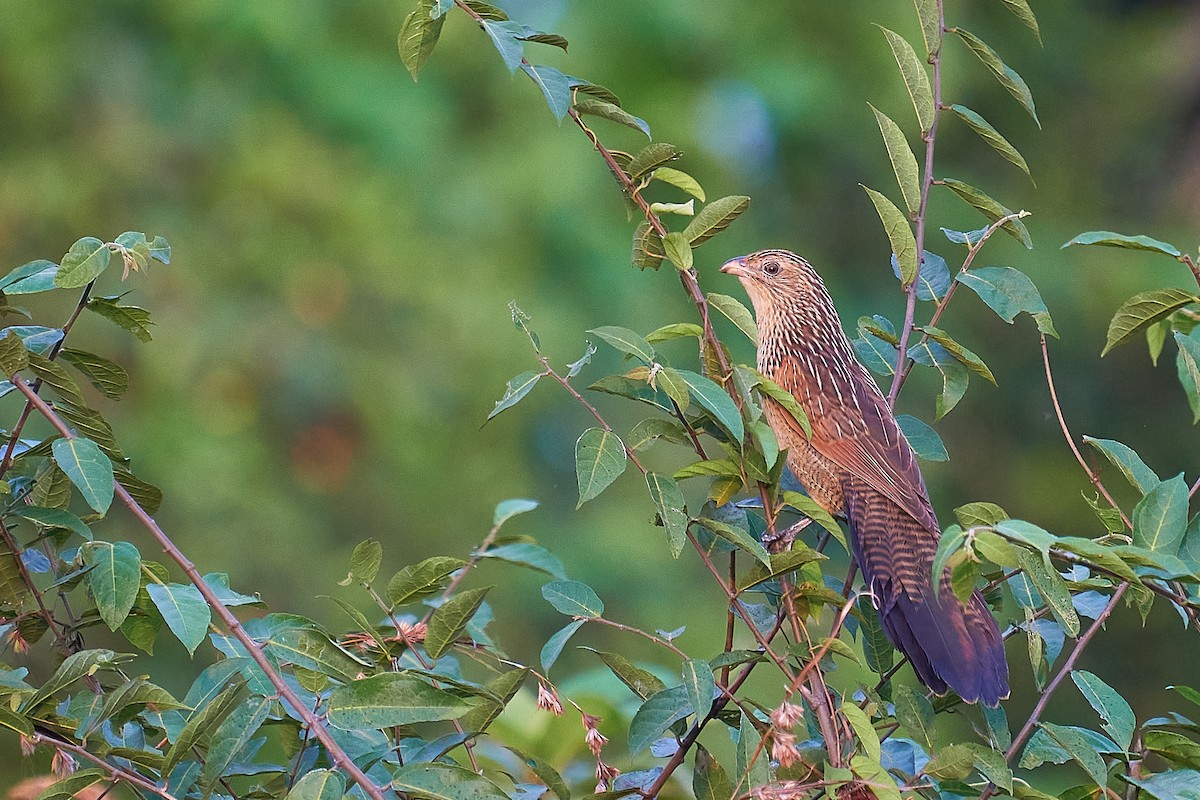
x=650, y=158
x=1187, y=365
x=36, y=276
x=599, y=460
x=749, y=757
x=88, y=468
x=573, y=598
x=528, y=554
x=933, y=279
x=233, y=734
x=680, y=180
x=555, y=644
x=1143, y=310
x=991, y=209
x=1005, y=74
x=737, y=313
x=82, y=264
x=507, y=509
x=699, y=683
x=716, y=401
x=184, y=610
x=626, y=341
x=392, y=698
x=321, y=784
x=554, y=87
x=993, y=137
x=1052, y=588
x=931, y=24
x=714, y=218
x=923, y=439
x=1023, y=12
x=916, y=80
x=115, y=579
x=611, y=112
x=915, y=715
x=134, y=319
x=964, y=356
x=955, y=377
x=1009, y=292
x=1110, y=239
x=899, y=233
x=1080, y=749
x=419, y=34
x=678, y=250
x=515, y=390
x=505, y=36
x=672, y=509
x=656, y=715
x=904, y=163
x=781, y=564
x=450, y=619
x=737, y=537
x=1127, y=461
x=709, y=781
x=1119, y=721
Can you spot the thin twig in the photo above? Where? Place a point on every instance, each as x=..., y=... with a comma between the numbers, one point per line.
x=117, y=773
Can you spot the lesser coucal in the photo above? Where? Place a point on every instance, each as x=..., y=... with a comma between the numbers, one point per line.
x=858, y=466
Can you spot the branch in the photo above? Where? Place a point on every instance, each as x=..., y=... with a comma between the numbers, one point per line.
x=336, y=754
x=117, y=773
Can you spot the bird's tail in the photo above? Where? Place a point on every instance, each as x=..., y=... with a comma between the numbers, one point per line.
x=949, y=645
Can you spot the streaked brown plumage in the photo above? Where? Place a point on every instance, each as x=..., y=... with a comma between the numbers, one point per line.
x=859, y=466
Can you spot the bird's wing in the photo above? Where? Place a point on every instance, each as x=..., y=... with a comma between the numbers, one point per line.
x=853, y=426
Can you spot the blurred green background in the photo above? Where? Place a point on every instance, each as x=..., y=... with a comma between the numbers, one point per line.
x=333, y=329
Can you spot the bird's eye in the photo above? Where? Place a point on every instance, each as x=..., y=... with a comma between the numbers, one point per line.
x=771, y=267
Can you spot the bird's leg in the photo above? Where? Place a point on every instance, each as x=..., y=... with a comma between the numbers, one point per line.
x=778, y=541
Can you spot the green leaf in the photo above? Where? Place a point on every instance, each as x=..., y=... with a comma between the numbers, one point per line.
x=1110, y=239
x=364, y=563
x=677, y=330
x=528, y=554
x=233, y=734
x=786, y=399
x=73, y=785
x=88, y=468
x=418, y=581
x=739, y=538
x=548, y=774
x=555, y=644
x=915, y=715
x=811, y=509
x=931, y=24
x=904, y=163
x=781, y=564
x=53, y=518
x=868, y=737
x=952, y=762
x=132, y=318
x=1080, y=749
x=1188, y=366
x=755, y=770
x=1009, y=292
x=599, y=460
x=1052, y=588
x=507, y=509
x=36, y=276
x=650, y=158
x=955, y=377
x=680, y=180
x=656, y=715
x=1175, y=747
x=626, y=341
x=115, y=579
x=1127, y=461
x=1175, y=784
x=1024, y=13
x=184, y=610
x=74, y=667
x=1160, y=518
x=964, y=356
x=916, y=80
x=450, y=619
x=418, y=36
x=1119, y=722
x=923, y=439
x=737, y=313
x=574, y=599
x=714, y=218
x=82, y=264
x=975, y=515
x=709, y=781
x=992, y=765
x=716, y=401
x=1007, y=77
x=321, y=784
x=392, y=698
x=933, y=280
x=554, y=86
x=515, y=390
x=899, y=233
x=610, y=112
x=990, y=209
x=505, y=687
x=992, y=136
x=678, y=250
x=13, y=355
x=700, y=685
x=876, y=647
x=1143, y=310
x=505, y=37
x=672, y=509
x=202, y=722
x=437, y=781
x=642, y=683
x=687, y=209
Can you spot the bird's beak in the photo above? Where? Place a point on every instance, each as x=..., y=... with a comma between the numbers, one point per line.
x=736, y=266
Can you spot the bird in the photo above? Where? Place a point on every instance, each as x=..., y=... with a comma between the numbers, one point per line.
x=858, y=466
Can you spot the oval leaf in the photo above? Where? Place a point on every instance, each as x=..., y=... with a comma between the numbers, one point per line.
x=599, y=460
x=714, y=218
x=916, y=80
x=184, y=610
x=573, y=598
x=904, y=163
x=88, y=468
x=115, y=579
x=1143, y=310
x=992, y=136
x=899, y=233
x=1007, y=77
x=82, y=264
x=1110, y=239
x=392, y=698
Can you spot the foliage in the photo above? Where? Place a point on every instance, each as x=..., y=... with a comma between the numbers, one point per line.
x=411, y=700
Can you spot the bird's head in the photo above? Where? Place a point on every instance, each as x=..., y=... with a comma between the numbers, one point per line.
x=777, y=281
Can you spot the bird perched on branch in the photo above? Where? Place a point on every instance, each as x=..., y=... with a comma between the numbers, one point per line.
x=859, y=466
